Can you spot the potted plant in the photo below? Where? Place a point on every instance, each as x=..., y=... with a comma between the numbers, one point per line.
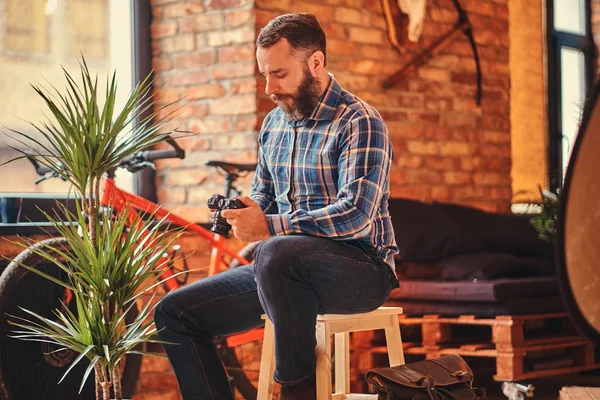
x=107, y=264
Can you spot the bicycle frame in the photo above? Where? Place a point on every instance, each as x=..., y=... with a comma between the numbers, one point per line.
x=120, y=199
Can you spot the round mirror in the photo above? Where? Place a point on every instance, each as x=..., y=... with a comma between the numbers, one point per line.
x=578, y=226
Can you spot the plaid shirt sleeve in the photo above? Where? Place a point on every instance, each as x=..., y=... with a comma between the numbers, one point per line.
x=363, y=169
x=262, y=183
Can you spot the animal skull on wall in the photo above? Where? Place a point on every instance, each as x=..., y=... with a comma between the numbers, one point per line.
x=415, y=9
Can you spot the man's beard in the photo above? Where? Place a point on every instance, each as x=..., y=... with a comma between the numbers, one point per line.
x=304, y=101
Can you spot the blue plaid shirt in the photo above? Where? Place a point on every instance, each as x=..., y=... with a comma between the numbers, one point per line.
x=328, y=175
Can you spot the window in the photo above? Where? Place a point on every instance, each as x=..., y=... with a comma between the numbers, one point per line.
x=37, y=38
x=570, y=58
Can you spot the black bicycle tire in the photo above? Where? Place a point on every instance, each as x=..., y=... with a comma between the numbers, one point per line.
x=241, y=381
x=10, y=278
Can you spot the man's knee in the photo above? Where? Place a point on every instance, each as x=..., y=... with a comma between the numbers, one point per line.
x=277, y=257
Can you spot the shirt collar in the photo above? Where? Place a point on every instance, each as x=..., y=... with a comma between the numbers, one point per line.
x=327, y=106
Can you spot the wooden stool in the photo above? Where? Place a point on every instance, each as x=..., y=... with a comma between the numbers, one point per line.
x=341, y=325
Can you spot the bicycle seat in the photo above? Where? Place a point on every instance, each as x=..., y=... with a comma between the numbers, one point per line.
x=231, y=168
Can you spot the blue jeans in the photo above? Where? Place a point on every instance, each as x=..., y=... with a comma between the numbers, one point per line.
x=293, y=279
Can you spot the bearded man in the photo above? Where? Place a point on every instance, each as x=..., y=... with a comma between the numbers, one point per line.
x=319, y=204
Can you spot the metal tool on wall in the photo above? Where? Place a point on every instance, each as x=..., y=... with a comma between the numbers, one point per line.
x=397, y=21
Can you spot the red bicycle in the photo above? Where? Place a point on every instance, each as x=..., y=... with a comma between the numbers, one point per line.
x=28, y=369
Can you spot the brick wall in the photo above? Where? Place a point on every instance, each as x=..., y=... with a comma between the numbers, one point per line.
x=203, y=52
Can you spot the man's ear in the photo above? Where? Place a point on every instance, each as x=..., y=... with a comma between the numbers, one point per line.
x=316, y=62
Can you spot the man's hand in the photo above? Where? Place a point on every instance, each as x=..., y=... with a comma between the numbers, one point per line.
x=248, y=224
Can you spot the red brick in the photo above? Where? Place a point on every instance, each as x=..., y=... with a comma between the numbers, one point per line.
x=170, y=195
x=441, y=193
x=409, y=161
x=243, y=86
x=421, y=147
x=425, y=117
x=177, y=44
x=194, y=142
x=166, y=95
x=159, y=2
x=365, y=67
x=365, y=35
x=234, y=70
x=183, y=9
x=233, y=105
x=244, y=52
x=187, y=177
x=455, y=148
x=434, y=74
x=404, y=130
x=194, y=60
x=373, y=5
x=239, y=17
x=244, y=34
x=424, y=177
x=281, y=5
x=211, y=125
x=438, y=14
x=341, y=47
x=323, y=12
x=246, y=123
x=441, y=163
x=490, y=179
x=457, y=178
x=157, y=13
x=162, y=63
x=422, y=193
x=262, y=17
x=234, y=141
x=201, y=23
x=220, y=4
x=206, y=91
x=198, y=110
x=350, y=16
x=163, y=29
x=335, y=31
x=188, y=77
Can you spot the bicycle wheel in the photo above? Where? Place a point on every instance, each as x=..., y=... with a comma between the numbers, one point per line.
x=242, y=362
x=28, y=370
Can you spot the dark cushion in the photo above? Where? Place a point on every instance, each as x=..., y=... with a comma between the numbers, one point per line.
x=484, y=266
x=425, y=232
x=506, y=233
x=480, y=265
x=488, y=291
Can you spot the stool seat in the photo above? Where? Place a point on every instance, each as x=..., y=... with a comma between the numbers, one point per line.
x=339, y=325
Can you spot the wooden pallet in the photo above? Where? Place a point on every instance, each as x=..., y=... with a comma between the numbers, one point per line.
x=524, y=346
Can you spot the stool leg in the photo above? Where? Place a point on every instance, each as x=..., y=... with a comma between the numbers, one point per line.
x=394, y=342
x=323, y=353
x=342, y=363
x=267, y=364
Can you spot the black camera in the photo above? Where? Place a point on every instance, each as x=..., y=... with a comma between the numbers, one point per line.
x=219, y=203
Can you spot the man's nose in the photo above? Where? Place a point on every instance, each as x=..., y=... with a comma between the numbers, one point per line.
x=271, y=87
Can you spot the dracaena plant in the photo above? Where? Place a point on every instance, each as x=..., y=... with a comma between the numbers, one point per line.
x=108, y=265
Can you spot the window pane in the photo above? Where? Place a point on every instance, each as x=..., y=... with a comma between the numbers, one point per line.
x=572, y=84
x=40, y=37
x=568, y=16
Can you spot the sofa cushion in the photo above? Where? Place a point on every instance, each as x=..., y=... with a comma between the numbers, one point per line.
x=506, y=233
x=425, y=232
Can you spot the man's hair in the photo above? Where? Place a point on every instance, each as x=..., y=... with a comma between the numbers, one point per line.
x=302, y=31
